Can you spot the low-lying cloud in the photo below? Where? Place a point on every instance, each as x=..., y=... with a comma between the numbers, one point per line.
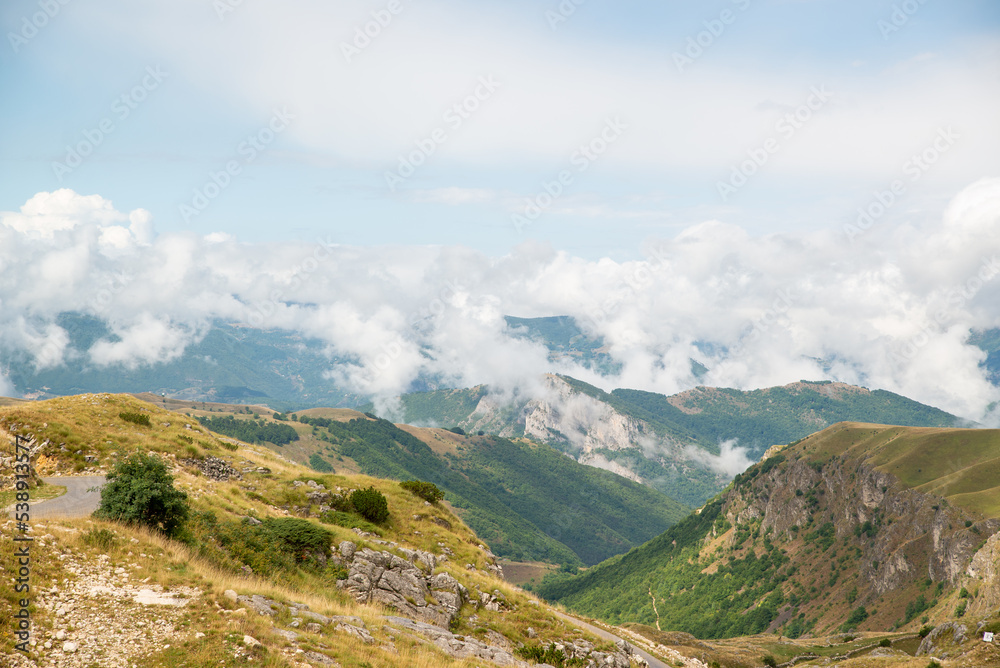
x=890, y=309
x=731, y=460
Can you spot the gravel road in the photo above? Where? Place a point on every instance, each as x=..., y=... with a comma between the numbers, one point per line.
x=651, y=660
x=76, y=502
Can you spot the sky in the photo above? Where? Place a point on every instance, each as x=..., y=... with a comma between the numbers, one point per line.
x=779, y=189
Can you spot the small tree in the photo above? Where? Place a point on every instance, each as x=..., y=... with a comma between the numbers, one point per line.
x=370, y=504
x=141, y=491
x=427, y=491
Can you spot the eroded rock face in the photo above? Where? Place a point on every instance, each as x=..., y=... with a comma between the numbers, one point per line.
x=944, y=635
x=406, y=584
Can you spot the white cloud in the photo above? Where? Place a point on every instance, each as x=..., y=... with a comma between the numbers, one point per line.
x=146, y=341
x=890, y=310
x=731, y=460
x=555, y=95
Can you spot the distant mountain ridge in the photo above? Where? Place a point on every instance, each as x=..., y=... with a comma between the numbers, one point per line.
x=671, y=443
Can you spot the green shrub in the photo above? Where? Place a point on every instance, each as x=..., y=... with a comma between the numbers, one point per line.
x=457, y=430
x=99, y=538
x=348, y=521
x=885, y=642
x=960, y=610
x=858, y=615
x=299, y=535
x=370, y=504
x=548, y=654
x=427, y=491
x=141, y=491
x=925, y=631
x=141, y=419
x=229, y=446
x=320, y=464
x=770, y=661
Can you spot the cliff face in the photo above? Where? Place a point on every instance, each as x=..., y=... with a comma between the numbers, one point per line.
x=592, y=432
x=900, y=543
x=832, y=533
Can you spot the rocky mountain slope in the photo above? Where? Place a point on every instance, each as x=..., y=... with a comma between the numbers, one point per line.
x=859, y=527
x=685, y=445
x=265, y=572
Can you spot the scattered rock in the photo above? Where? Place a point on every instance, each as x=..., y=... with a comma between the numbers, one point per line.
x=461, y=647
x=320, y=659
x=213, y=468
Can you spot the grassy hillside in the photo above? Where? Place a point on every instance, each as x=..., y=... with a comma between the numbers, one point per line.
x=526, y=500
x=87, y=571
x=856, y=527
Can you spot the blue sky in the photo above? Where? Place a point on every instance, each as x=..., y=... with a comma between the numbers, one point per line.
x=225, y=72
x=778, y=190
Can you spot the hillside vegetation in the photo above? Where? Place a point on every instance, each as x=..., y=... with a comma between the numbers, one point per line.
x=260, y=573
x=858, y=527
x=526, y=500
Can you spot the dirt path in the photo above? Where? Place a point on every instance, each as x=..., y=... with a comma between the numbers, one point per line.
x=650, y=659
x=655, y=610
x=76, y=502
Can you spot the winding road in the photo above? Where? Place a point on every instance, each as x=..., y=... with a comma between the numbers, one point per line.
x=650, y=659
x=78, y=501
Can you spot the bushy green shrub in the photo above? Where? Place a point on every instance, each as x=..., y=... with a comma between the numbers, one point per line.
x=427, y=491
x=319, y=464
x=141, y=419
x=348, y=521
x=139, y=490
x=770, y=661
x=299, y=534
x=370, y=504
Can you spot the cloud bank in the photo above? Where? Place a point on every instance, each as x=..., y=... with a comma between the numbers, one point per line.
x=887, y=308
